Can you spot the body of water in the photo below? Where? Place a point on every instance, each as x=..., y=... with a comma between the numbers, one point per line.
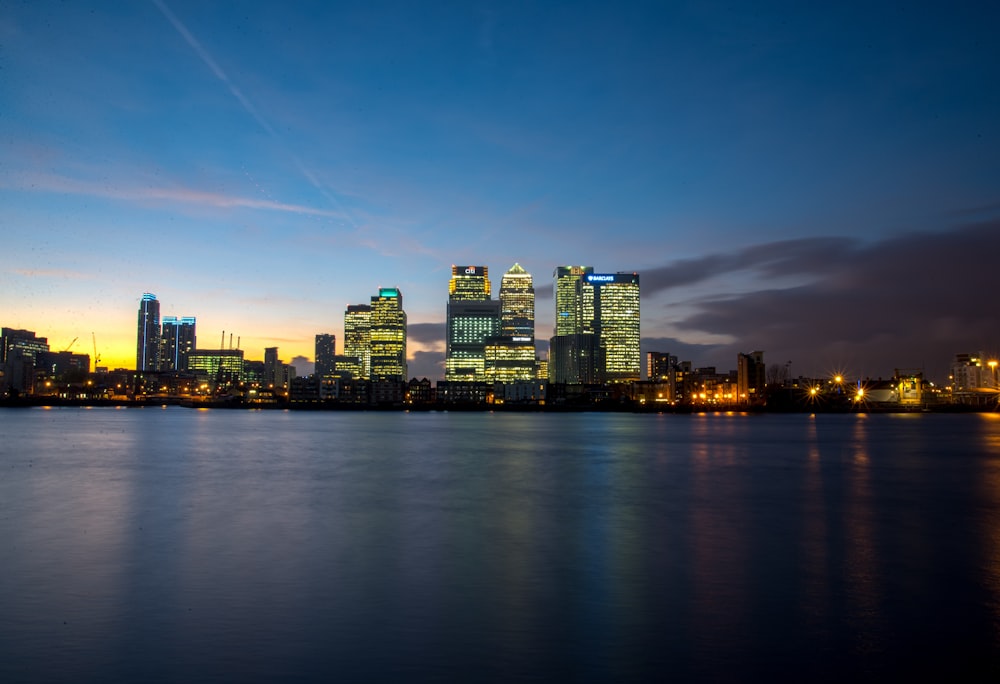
x=172, y=544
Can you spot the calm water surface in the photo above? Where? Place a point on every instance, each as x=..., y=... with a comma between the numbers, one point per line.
x=164, y=545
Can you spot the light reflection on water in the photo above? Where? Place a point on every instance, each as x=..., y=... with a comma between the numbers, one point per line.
x=165, y=545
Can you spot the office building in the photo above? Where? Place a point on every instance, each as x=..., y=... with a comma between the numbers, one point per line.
x=177, y=341
x=274, y=370
x=147, y=354
x=615, y=322
x=606, y=307
x=509, y=359
x=20, y=350
x=517, y=304
x=357, y=340
x=750, y=377
x=25, y=343
x=660, y=366
x=326, y=355
x=472, y=319
x=218, y=367
x=469, y=283
x=570, y=315
x=388, y=335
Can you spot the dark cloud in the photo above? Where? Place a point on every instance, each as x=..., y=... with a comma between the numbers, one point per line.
x=698, y=354
x=911, y=301
x=426, y=364
x=426, y=333
x=783, y=258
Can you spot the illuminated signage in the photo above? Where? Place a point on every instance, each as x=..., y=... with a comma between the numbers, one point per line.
x=471, y=270
x=594, y=278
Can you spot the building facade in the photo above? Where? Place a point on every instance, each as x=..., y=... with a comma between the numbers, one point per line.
x=517, y=304
x=357, y=341
x=325, y=355
x=472, y=319
x=568, y=298
x=616, y=323
x=751, y=377
x=147, y=354
x=388, y=335
x=177, y=340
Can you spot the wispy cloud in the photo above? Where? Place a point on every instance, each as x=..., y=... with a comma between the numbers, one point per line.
x=53, y=273
x=60, y=184
x=247, y=105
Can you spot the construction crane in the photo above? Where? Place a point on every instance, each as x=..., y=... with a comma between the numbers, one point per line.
x=70, y=345
x=96, y=355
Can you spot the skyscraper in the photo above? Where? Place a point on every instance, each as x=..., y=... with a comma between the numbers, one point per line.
x=615, y=323
x=357, y=340
x=388, y=335
x=326, y=354
x=469, y=283
x=568, y=298
x=177, y=341
x=597, y=327
x=517, y=304
x=147, y=355
x=472, y=319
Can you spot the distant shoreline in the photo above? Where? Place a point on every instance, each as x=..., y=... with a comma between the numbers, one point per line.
x=603, y=407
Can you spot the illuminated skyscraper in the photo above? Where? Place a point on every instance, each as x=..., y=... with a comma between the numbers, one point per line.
x=517, y=304
x=568, y=296
x=326, y=354
x=469, y=283
x=357, y=340
x=615, y=323
x=147, y=355
x=472, y=319
x=388, y=335
x=177, y=341
x=597, y=327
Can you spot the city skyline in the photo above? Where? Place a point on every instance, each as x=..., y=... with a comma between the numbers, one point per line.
x=822, y=184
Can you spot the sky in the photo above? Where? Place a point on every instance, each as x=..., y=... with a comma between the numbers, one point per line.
x=820, y=181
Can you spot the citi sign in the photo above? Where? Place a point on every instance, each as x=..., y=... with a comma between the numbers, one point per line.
x=471, y=270
x=600, y=278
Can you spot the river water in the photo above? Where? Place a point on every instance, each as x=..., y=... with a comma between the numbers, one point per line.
x=163, y=545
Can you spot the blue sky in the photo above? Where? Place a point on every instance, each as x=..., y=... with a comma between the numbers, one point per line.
x=763, y=166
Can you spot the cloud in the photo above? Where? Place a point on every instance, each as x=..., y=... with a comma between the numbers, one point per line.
x=426, y=364
x=429, y=334
x=62, y=184
x=302, y=364
x=806, y=256
x=220, y=74
x=53, y=273
x=698, y=354
x=911, y=301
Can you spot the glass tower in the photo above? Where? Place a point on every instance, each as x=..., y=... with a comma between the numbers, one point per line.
x=568, y=295
x=388, y=335
x=615, y=324
x=517, y=304
x=357, y=340
x=147, y=354
x=472, y=319
x=177, y=341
